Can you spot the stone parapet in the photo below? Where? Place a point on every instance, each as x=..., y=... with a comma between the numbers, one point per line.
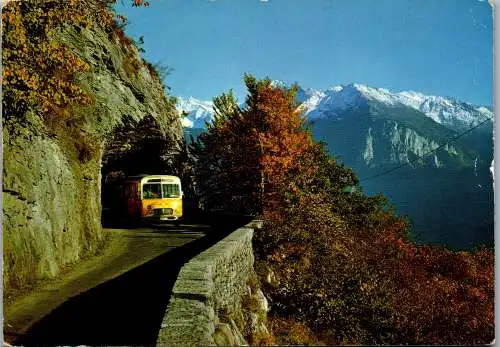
x=206, y=303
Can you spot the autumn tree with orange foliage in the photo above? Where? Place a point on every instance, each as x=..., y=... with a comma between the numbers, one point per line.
x=38, y=71
x=339, y=266
x=245, y=155
x=280, y=134
x=41, y=73
x=442, y=297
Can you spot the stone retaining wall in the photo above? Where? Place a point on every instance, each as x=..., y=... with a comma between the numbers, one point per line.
x=209, y=302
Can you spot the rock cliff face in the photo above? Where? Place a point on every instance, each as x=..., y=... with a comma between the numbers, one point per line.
x=447, y=193
x=382, y=138
x=52, y=172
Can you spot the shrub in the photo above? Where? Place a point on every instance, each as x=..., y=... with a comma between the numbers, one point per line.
x=288, y=331
x=38, y=71
x=345, y=271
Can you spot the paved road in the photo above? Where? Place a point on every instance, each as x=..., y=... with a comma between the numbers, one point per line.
x=117, y=298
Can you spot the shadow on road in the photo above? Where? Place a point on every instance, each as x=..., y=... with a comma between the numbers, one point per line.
x=117, y=219
x=127, y=310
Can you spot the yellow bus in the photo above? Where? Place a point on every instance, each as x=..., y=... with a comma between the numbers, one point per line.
x=154, y=198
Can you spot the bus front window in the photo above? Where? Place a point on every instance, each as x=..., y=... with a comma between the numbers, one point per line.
x=151, y=191
x=171, y=191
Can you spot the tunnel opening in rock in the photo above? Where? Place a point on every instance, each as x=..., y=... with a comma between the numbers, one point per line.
x=135, y=148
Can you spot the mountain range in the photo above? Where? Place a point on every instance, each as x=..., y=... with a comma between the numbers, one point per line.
x=431, y=155
x=447, y=111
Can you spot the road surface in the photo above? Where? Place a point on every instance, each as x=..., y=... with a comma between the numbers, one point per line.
x=116, y=298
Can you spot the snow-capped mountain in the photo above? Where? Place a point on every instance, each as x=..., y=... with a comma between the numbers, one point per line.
x=385, y=128
x=403, y=144
x=198, y=112
x=447, y=111
x=310, y=98
x=451, y=113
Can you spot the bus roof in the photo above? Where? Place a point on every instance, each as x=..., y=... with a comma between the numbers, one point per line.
x=144, y=178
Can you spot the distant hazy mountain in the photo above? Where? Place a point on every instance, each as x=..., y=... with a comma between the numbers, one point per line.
x=401, y=144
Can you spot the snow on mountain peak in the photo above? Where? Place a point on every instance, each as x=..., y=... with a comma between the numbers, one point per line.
x=348, y=96
x=278, y=83
x=339, y=98
x=186, y=122
x=198, y=112
x=190, y=104
x=336, y=88
x=444, y=110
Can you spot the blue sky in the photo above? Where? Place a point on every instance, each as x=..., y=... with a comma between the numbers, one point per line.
x=440, y=47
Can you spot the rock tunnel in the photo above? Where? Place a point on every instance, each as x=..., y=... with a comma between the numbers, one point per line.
x=135, y=148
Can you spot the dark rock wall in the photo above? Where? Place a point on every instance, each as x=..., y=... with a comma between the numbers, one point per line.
x=52, y=174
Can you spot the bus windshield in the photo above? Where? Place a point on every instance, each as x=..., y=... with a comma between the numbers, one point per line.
x=170, y=191
x=159, y=191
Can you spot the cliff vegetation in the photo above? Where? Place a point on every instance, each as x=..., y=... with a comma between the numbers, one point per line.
x=81, y=105
x=73, y=86
x=336, y=265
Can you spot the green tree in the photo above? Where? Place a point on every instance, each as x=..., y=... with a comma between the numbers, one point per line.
x=246, y=154
x=225, y=160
